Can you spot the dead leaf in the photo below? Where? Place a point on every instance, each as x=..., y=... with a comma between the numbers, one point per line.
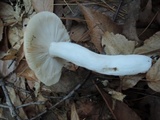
x=43, y=5
x=6, y=10
x=15, y=36
x=4, y=42
x=117, y=44
x=153, y=77
x=10, y=55
x=151, y=46
x=117, y=95
x=24, y=71
x=1, y=29
x=92, y=109
x=130, y=81
x=7, y=13
x=97, y=25
x=79, y=33
x=74, y=114
x=6, y=67
x=19, y=55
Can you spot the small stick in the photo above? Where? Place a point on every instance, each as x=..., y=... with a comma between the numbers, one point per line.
x=31, y=103
x=4, y=106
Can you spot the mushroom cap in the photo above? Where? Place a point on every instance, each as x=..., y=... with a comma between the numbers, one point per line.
x=43, y=29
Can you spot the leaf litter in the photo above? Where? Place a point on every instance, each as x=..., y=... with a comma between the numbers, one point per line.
x=103, y=26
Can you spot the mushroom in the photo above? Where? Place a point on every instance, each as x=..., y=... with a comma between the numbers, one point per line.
x=47, y=47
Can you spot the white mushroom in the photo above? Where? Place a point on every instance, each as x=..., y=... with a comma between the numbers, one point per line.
x=47, y=46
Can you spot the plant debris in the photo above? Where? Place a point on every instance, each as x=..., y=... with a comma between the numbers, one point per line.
x=104, y=26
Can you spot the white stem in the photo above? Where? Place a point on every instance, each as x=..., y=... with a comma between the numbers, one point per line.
x=105, y=64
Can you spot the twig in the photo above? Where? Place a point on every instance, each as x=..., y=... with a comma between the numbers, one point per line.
x=12, y=108
x=31, y=103
x=4, y=106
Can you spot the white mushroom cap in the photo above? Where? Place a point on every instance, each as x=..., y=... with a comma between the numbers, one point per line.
x=44, y=28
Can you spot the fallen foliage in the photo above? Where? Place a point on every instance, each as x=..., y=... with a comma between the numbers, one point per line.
x=106, y=27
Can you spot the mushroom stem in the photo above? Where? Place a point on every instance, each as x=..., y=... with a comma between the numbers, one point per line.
x=106, y=64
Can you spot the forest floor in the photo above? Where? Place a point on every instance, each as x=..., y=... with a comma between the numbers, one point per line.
x=109, y=27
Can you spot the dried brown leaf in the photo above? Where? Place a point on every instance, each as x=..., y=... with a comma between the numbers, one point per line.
x=86, y=108
x=117, y=95
x=7, y=13
x=43, y=5
x=19, y=55
x=79, y=33
x=15, y=36
x=10, y=55
x=6, y=10
x=4, y=67
x=117, y=44
x=1, y=29
x=130, y=81
x=151, y=45
x=153, y=77
x=97, y=25
x=24, y=71
x=74, y=114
